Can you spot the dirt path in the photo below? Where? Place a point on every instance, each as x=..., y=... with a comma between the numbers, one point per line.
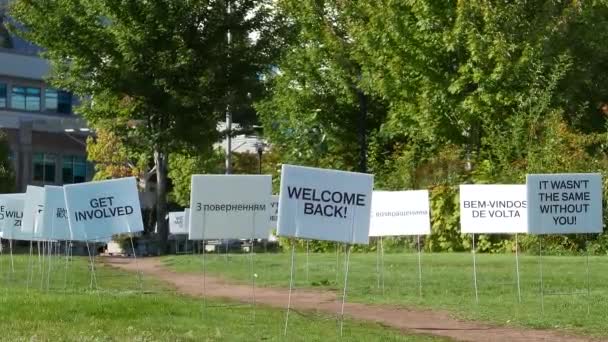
x=417, y=321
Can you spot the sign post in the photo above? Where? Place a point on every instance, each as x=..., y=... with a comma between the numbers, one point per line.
x=567, y=203
x=325, y=205
x=230, y=207
x=493, y=209
x=399, y=213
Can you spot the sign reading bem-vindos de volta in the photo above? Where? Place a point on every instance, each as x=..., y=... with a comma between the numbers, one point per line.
x=493, y=209
x=325, y=204
x=565, y=203
x=396, y=213
x=230, y=206
x=101, y=209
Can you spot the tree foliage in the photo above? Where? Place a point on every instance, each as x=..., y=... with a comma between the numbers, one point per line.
x=164, y=67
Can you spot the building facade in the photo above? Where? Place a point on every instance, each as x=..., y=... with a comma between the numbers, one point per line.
x=47, y=141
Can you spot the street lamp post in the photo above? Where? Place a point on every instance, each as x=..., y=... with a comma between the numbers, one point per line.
x=259, y=145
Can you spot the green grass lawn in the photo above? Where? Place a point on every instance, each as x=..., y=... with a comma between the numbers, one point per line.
x=63, y=308
x=447, y=284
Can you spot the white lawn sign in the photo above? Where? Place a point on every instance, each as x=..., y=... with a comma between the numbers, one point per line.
x=397, y=213
x=102, y=209
x=33, y=211
x=565, y=203
x=230, y=206
x=493, y=209
x=55, y=224
x=325, y=204
x=273, y=212
x=187, y=220
x=177, y=224
x=11, y=217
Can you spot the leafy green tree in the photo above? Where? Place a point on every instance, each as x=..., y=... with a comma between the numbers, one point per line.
x=165, y=66
x=318, y=113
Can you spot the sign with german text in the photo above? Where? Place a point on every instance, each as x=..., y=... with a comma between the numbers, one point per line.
x=55, y=224
x=396, y=213
x=325, y=204
x=11, y=217
x=565, y=203
x=230, y=206
x=104, y=208
x=493, y=209
x=177, y=224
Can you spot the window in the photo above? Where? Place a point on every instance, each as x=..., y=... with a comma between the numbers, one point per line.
x=2, y=95
x=25, y=98
x=75, y=169
x=57, y=101
x=44, y=167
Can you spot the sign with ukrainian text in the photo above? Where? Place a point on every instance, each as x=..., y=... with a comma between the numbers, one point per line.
x=396, y=213
x=229, y=206
x=104, y=208
x=325, y=204
x=565, y=203
x=493, y=208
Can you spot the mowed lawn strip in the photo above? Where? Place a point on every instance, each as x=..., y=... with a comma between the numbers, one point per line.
x=447, y=283
x=66, y=309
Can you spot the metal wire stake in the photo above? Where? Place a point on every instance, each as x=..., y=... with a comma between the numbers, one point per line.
x=253, y=275
x=475, y=272
x=419, y=267
x=517, y=268
x=348, y=250
x=588, y=275
x=382, y=264
x=293, y=249
x=307, y=256
x=540, y=264
x=377, y=263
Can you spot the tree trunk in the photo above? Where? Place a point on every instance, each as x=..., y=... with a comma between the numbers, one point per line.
x=160, y=160
x=362, y=131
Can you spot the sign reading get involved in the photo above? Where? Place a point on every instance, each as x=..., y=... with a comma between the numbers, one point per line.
x=565, y=203
x=102, y=209
x=493, y=208
x=230, y=206
x=325, y=204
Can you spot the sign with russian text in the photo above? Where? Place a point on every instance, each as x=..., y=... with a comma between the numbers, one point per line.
x=565, y=203
x=493, y=209
x=396, y=213
x=230, y=206
x=11, y=217
x=177, y=224
x=104, y=208
x=325, y=204
x=33, y=210
x=55, y=216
